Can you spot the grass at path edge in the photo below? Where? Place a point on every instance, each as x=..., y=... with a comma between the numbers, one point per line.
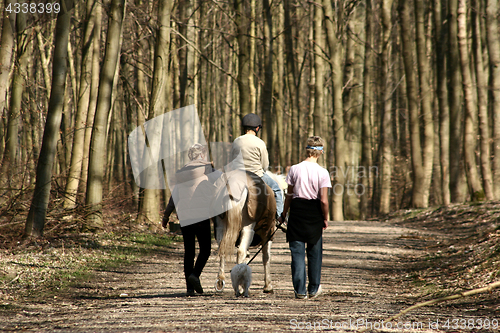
x=47, y=267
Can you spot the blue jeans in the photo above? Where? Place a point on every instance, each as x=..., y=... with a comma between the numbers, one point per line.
x=314, y=261
x=278, y=194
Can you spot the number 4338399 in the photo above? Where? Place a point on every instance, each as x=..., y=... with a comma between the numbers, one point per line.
x=471, y=324
x=33, y=8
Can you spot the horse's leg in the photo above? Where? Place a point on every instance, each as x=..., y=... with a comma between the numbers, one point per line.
x=219, y=229
x=245, y=241
x=220, y=283
x=266, y=260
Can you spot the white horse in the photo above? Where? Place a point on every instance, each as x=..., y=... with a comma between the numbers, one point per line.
x=254, y=213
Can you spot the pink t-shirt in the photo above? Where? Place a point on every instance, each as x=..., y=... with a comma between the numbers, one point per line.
x=307, y=178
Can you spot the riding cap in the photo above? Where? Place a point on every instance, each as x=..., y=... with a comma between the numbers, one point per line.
x=251, y=120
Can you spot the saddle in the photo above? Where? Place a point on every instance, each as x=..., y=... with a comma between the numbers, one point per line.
x=261, y=206
x=260, y=202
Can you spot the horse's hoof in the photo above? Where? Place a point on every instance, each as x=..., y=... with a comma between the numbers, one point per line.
x=219, y=285
x=268, y=291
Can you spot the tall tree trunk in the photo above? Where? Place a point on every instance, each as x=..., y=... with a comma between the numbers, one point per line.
x=83, y=98
x=97, y=156
x=94, y=90
x=334, y=23
x=319, y=68
x=267, y=91
x=458, y=186
x=11, y=158
x=442, y=94
x=426, y=100
x=366, y=150
x=65, y=142
x=38, y=210
x=420, y=178
x=251, y=59
x=386, y=156
x=228, y=107
x=149, y=209
x=228, y=99
x=470, y=132
x=235, y=115
x=191, y=67
x=44, y=58
x=482, y=102
x=9, y=20
x=7, y=43
x=312, y=71
x=278, y=88
x=242, y=20
x=353, y=93
x=292, y=79
x=493, y=40
x=436, y=163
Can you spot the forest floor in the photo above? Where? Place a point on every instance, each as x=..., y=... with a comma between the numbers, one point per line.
x=371, y=271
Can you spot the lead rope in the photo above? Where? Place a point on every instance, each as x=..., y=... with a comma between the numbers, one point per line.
x=277, y=227
x=224, y=282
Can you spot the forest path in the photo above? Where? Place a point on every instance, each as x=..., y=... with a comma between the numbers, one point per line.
x=360, y=260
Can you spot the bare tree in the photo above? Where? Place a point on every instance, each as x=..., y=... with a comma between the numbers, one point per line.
x=353, y=94
x=11, y=152
x=278, y=89
x=7, y=43
x=149, y=208
x=292, y=81
x=267, y=91
x=98, y=140
x=426, y=96
x=319, y=68
x=366, y=126
x=493, y=41
x=482, y=102
x=421, y=165
x=442, y=95
x=470, y=133
x=75, y=168
x=38, y=210
x=387, y=155
x=94, y=90
x=243, y=20
x=189, y=77
x=458, y=190
x=334, y=22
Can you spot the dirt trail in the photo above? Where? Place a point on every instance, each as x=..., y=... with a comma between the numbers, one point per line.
x=359, y=261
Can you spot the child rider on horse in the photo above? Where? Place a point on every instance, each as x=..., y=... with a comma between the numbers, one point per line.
x=255, y=155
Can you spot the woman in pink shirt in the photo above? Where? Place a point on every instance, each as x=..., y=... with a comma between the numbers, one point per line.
x=307, y=200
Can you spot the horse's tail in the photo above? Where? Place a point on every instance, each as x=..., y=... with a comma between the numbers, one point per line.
x=232, y=227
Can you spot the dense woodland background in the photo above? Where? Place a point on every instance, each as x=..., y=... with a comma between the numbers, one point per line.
x=406, y=94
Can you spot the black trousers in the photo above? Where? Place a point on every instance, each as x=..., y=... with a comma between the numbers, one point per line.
x=202, y=232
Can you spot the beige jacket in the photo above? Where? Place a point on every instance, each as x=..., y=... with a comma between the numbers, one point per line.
x=192, y=192
x=254, y=153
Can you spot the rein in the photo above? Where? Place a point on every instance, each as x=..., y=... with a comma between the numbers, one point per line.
x=255, y=255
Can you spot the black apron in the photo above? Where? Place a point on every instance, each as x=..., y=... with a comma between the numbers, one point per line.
x=305, y=222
